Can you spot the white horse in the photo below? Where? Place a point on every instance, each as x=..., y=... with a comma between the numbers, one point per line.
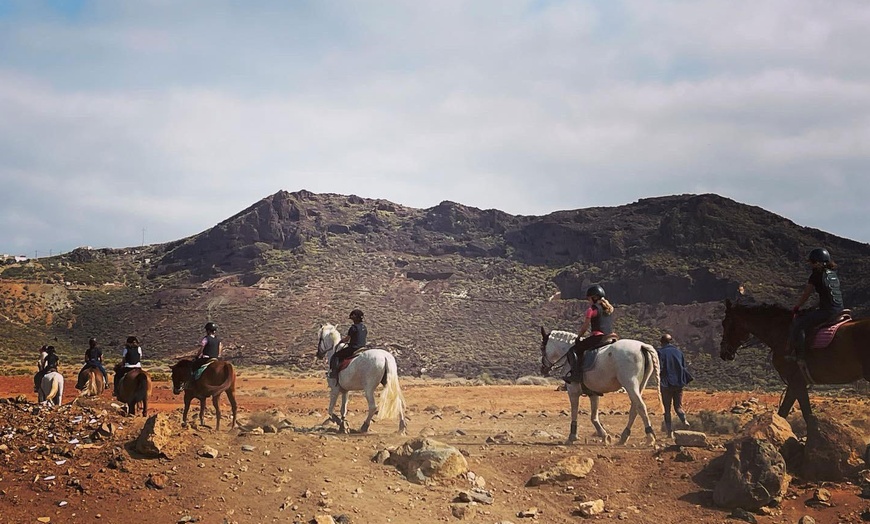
x=51, y=389
x=625, y=364
x=364, y=373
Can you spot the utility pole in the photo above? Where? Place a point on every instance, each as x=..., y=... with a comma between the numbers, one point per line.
x=143, y=237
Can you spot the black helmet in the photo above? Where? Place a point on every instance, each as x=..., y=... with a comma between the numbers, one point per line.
x=356, y=313
x=92, y=342
x=595, y=291
x=211, y=327
x=819, y=254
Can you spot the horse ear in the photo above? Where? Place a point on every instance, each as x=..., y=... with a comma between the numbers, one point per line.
x=727, y=304
x=543, y=333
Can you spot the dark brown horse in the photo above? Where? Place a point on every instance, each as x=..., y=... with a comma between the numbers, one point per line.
x=845, y=360
x=135, y=387
x=90, y=382
x=218, y=377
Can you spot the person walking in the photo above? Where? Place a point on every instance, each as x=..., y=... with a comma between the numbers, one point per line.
x=673, y=378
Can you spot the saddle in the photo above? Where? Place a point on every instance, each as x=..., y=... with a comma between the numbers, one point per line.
x=201, y=369
x=343, y=363
x=824, y=333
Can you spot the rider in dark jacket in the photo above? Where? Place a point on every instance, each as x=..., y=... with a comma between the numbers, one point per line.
x=598, y=320
x=823, y=281
x=94, y=359
x=355, y=339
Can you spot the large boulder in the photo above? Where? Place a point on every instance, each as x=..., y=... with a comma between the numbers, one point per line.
x=754, y=475
x=832, y=452
x=155, y=439
x=571, y=468
x=425, y=460
x=771, y=427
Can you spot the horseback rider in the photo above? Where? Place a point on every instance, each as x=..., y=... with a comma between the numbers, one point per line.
x=94, y=359
x=599, y=320
x=824, y=281
x=48, y=361
x=354, y=340
x=209, y=348
x=131, y=359
x=40, y=367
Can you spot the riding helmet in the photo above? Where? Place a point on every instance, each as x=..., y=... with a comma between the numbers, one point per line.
x=356, y=313
x=211, y=327
x=595, y=291
x=819, y=254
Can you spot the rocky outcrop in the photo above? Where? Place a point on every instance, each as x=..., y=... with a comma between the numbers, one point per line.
x=573, y=467
x=754, y=475
x=832, y=451
x=424, y=460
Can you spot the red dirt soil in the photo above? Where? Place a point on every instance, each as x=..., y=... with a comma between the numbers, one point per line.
x=297, y=474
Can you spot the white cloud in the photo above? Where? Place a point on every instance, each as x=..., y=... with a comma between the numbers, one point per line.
x=174, y=117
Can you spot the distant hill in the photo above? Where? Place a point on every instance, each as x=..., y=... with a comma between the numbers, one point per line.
x=451, y=289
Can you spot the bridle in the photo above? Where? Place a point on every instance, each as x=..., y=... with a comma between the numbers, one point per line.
x=546, y=364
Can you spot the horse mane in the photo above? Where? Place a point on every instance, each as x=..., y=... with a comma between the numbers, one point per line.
x=563, y=336
x=763, y=308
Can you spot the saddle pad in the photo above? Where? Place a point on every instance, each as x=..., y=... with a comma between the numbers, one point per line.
x=346, y=361
x=589, y=357
x=198, y=372
x=825, y=335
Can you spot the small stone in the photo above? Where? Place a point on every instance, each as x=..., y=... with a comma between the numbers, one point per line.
x=208, y=452
x=43, y=519
x=248, y=447
x=156, y=481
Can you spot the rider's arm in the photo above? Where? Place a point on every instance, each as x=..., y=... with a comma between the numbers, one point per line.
x=220, y=348
x=808, y=291
x=587, y=321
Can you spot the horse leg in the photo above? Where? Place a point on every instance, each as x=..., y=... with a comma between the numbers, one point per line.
x=333, y=397
x=202, y=411
x=145, y=406
x=370, y=397
x=342, y=427
x=215, y=400
x=803, y=399
x=187, y=398
x=231, y=396
x=788, y=401
x=593, y=416
x=574, y=399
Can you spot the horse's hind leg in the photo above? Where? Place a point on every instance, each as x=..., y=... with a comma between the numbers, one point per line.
x=215, y=400
x=370, y=397
x=637, y=407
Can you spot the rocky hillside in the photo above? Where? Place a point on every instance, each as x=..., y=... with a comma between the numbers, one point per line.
x=451, y=289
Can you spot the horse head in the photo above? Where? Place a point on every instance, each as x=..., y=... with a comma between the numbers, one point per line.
x=180, y=375
x=327, y=338
x=546, y=365
x=554, y=349
x=734, y=332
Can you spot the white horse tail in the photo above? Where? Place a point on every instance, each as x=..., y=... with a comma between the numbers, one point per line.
x=656, y=369
x=56, y=391
x=392, y=403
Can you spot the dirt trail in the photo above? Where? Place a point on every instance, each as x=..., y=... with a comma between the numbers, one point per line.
x=299, y=473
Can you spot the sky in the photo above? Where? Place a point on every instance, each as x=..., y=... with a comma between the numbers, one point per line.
x=123, y=123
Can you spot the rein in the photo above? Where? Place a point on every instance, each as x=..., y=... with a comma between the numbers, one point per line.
x=545, y=360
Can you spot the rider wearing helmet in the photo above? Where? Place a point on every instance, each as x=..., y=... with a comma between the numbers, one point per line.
x=94, y=359
x=599, y=321
x=131, y=358
x=824, y=281
x=354, y=340
x=210, y=347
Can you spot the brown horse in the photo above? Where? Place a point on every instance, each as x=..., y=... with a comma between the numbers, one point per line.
x=135, y=387
x=218, y=377
x=845, y=360
x=90, y=382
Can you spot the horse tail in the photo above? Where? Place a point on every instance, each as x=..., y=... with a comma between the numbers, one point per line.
x=656, y=370
x=392, y=403
x=143, y=387
x=56, y=390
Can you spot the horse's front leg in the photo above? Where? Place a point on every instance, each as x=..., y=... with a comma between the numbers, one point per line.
x=370, y=397
x=202, y=411
x=187, y=398
x=217, y=411
x=573, y=391
x=593, y=416
x=342, y=428
x=788, y=401
x=333, y=397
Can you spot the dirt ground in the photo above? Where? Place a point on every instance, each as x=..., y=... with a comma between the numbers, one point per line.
x=309, y=470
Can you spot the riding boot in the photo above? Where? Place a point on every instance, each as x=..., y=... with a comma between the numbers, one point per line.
x=572, y=363
x=798, y=347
